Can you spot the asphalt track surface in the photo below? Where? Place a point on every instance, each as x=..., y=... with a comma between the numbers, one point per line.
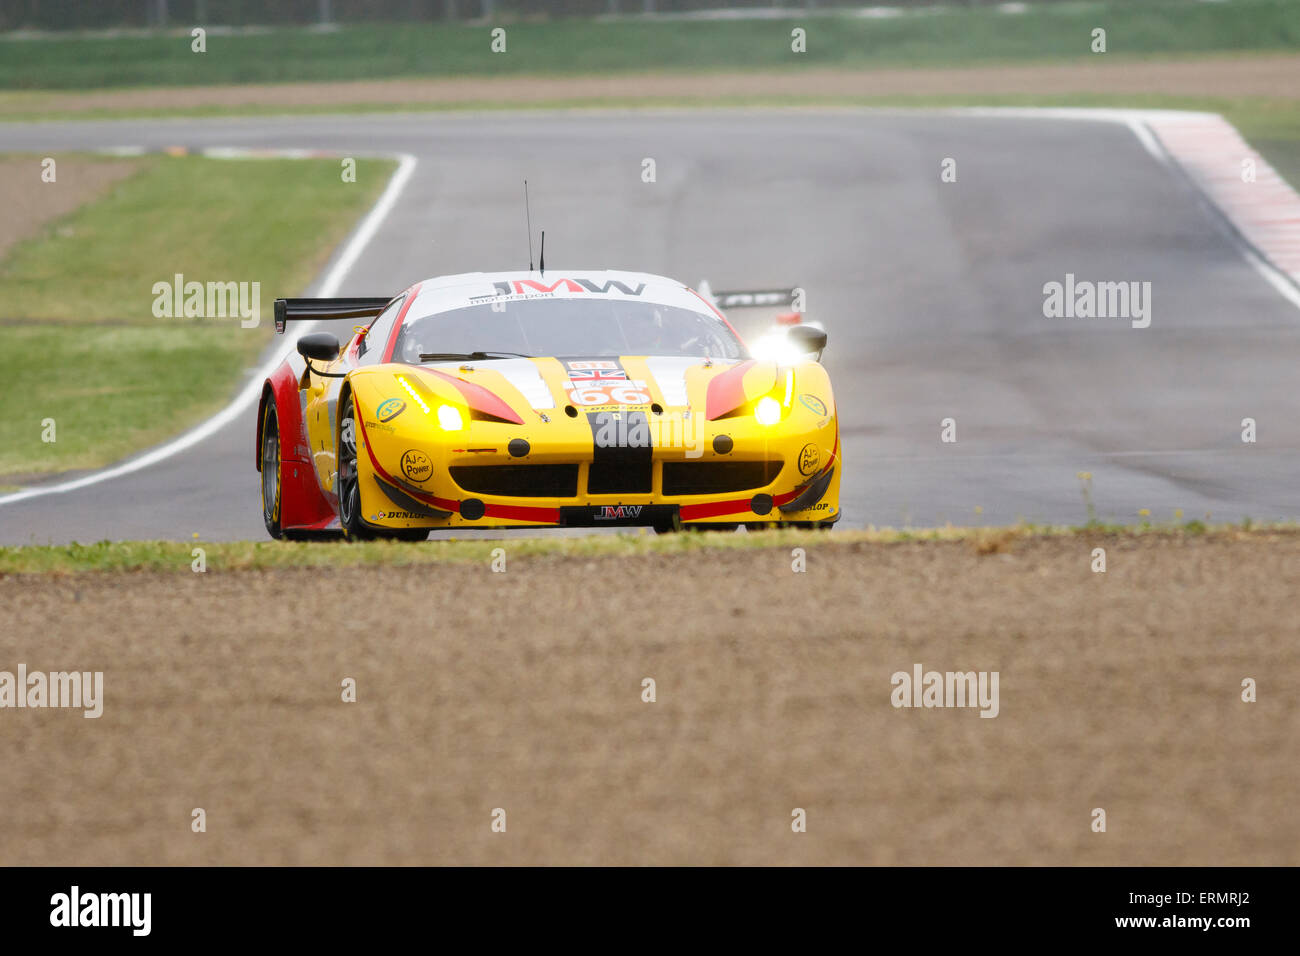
x=932, y=294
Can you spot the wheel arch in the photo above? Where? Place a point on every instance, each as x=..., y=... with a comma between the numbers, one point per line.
x=302, y=503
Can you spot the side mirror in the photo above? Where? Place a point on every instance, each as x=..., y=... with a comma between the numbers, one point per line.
x=807, y=338
x=322, y=345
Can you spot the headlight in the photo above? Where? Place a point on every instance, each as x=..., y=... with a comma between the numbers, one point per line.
x=767, y=411
x=415, y=396
x=449, y=418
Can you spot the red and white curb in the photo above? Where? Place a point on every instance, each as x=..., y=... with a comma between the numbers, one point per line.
x=235, y=152
x=1257, y=201
x=1263, y=215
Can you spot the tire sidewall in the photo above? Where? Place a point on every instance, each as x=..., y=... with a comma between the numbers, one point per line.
x=271, y=428
x=350, y=519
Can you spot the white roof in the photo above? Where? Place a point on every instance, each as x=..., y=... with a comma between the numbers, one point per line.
x=444, y=293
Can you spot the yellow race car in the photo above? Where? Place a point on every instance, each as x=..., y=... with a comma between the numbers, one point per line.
x=523, y=399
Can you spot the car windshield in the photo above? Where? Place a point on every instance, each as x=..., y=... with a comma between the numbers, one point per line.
x=567, y=326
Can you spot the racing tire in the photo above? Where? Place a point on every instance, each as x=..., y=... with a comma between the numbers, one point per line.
x=270, y=458
x=349, y=485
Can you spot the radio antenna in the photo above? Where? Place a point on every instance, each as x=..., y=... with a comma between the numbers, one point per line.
x=528, y=218
x=541, y=262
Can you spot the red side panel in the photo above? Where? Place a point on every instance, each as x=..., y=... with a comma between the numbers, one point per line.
x=301, y=503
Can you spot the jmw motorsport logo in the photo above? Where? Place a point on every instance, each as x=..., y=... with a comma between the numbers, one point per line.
x=527, y=286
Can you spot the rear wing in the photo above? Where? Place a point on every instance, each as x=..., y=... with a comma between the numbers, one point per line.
x=750, y=298
x=757, y=299
x=297, y=310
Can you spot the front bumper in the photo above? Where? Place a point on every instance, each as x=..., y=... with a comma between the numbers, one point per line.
x=484, y=481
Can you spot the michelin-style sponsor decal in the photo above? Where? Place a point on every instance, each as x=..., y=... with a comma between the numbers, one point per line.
x=602, y=382
x=809, y=459
x=618, y=512
x=390, y=409
x=416, y=465
x=814, y=404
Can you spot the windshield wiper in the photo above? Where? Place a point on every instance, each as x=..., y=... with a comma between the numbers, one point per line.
x=468, y=356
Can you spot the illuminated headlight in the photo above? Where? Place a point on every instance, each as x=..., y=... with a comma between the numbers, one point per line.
x=768, y=410
x=449, y=418
x=415, y=396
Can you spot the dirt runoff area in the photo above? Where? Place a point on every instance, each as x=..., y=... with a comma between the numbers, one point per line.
x=522, y=692
x=30, y=201
x=1264, y=75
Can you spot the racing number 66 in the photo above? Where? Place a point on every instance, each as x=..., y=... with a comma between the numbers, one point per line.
x=617, y=395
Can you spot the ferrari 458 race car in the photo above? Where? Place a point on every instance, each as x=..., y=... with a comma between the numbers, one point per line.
x=578, y=399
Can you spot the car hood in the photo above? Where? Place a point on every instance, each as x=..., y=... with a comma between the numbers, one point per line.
x=528, y=386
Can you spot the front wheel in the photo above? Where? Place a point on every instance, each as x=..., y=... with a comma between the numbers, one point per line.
x=270, y=457
x=348, y=484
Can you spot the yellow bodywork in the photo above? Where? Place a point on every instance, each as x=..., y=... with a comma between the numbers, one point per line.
x=417, y=429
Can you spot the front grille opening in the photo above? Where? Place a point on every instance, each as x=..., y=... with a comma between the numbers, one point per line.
x=717, y=477
x=518, y=481
x=620, y=477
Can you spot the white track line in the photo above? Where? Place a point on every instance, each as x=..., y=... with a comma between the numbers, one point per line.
x=253, y=390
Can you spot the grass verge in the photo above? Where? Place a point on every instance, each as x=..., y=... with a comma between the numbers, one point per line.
x=946, y=35
x=82, y=345
x=259, y=555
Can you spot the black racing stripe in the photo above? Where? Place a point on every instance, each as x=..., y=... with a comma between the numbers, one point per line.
x=622, y=459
